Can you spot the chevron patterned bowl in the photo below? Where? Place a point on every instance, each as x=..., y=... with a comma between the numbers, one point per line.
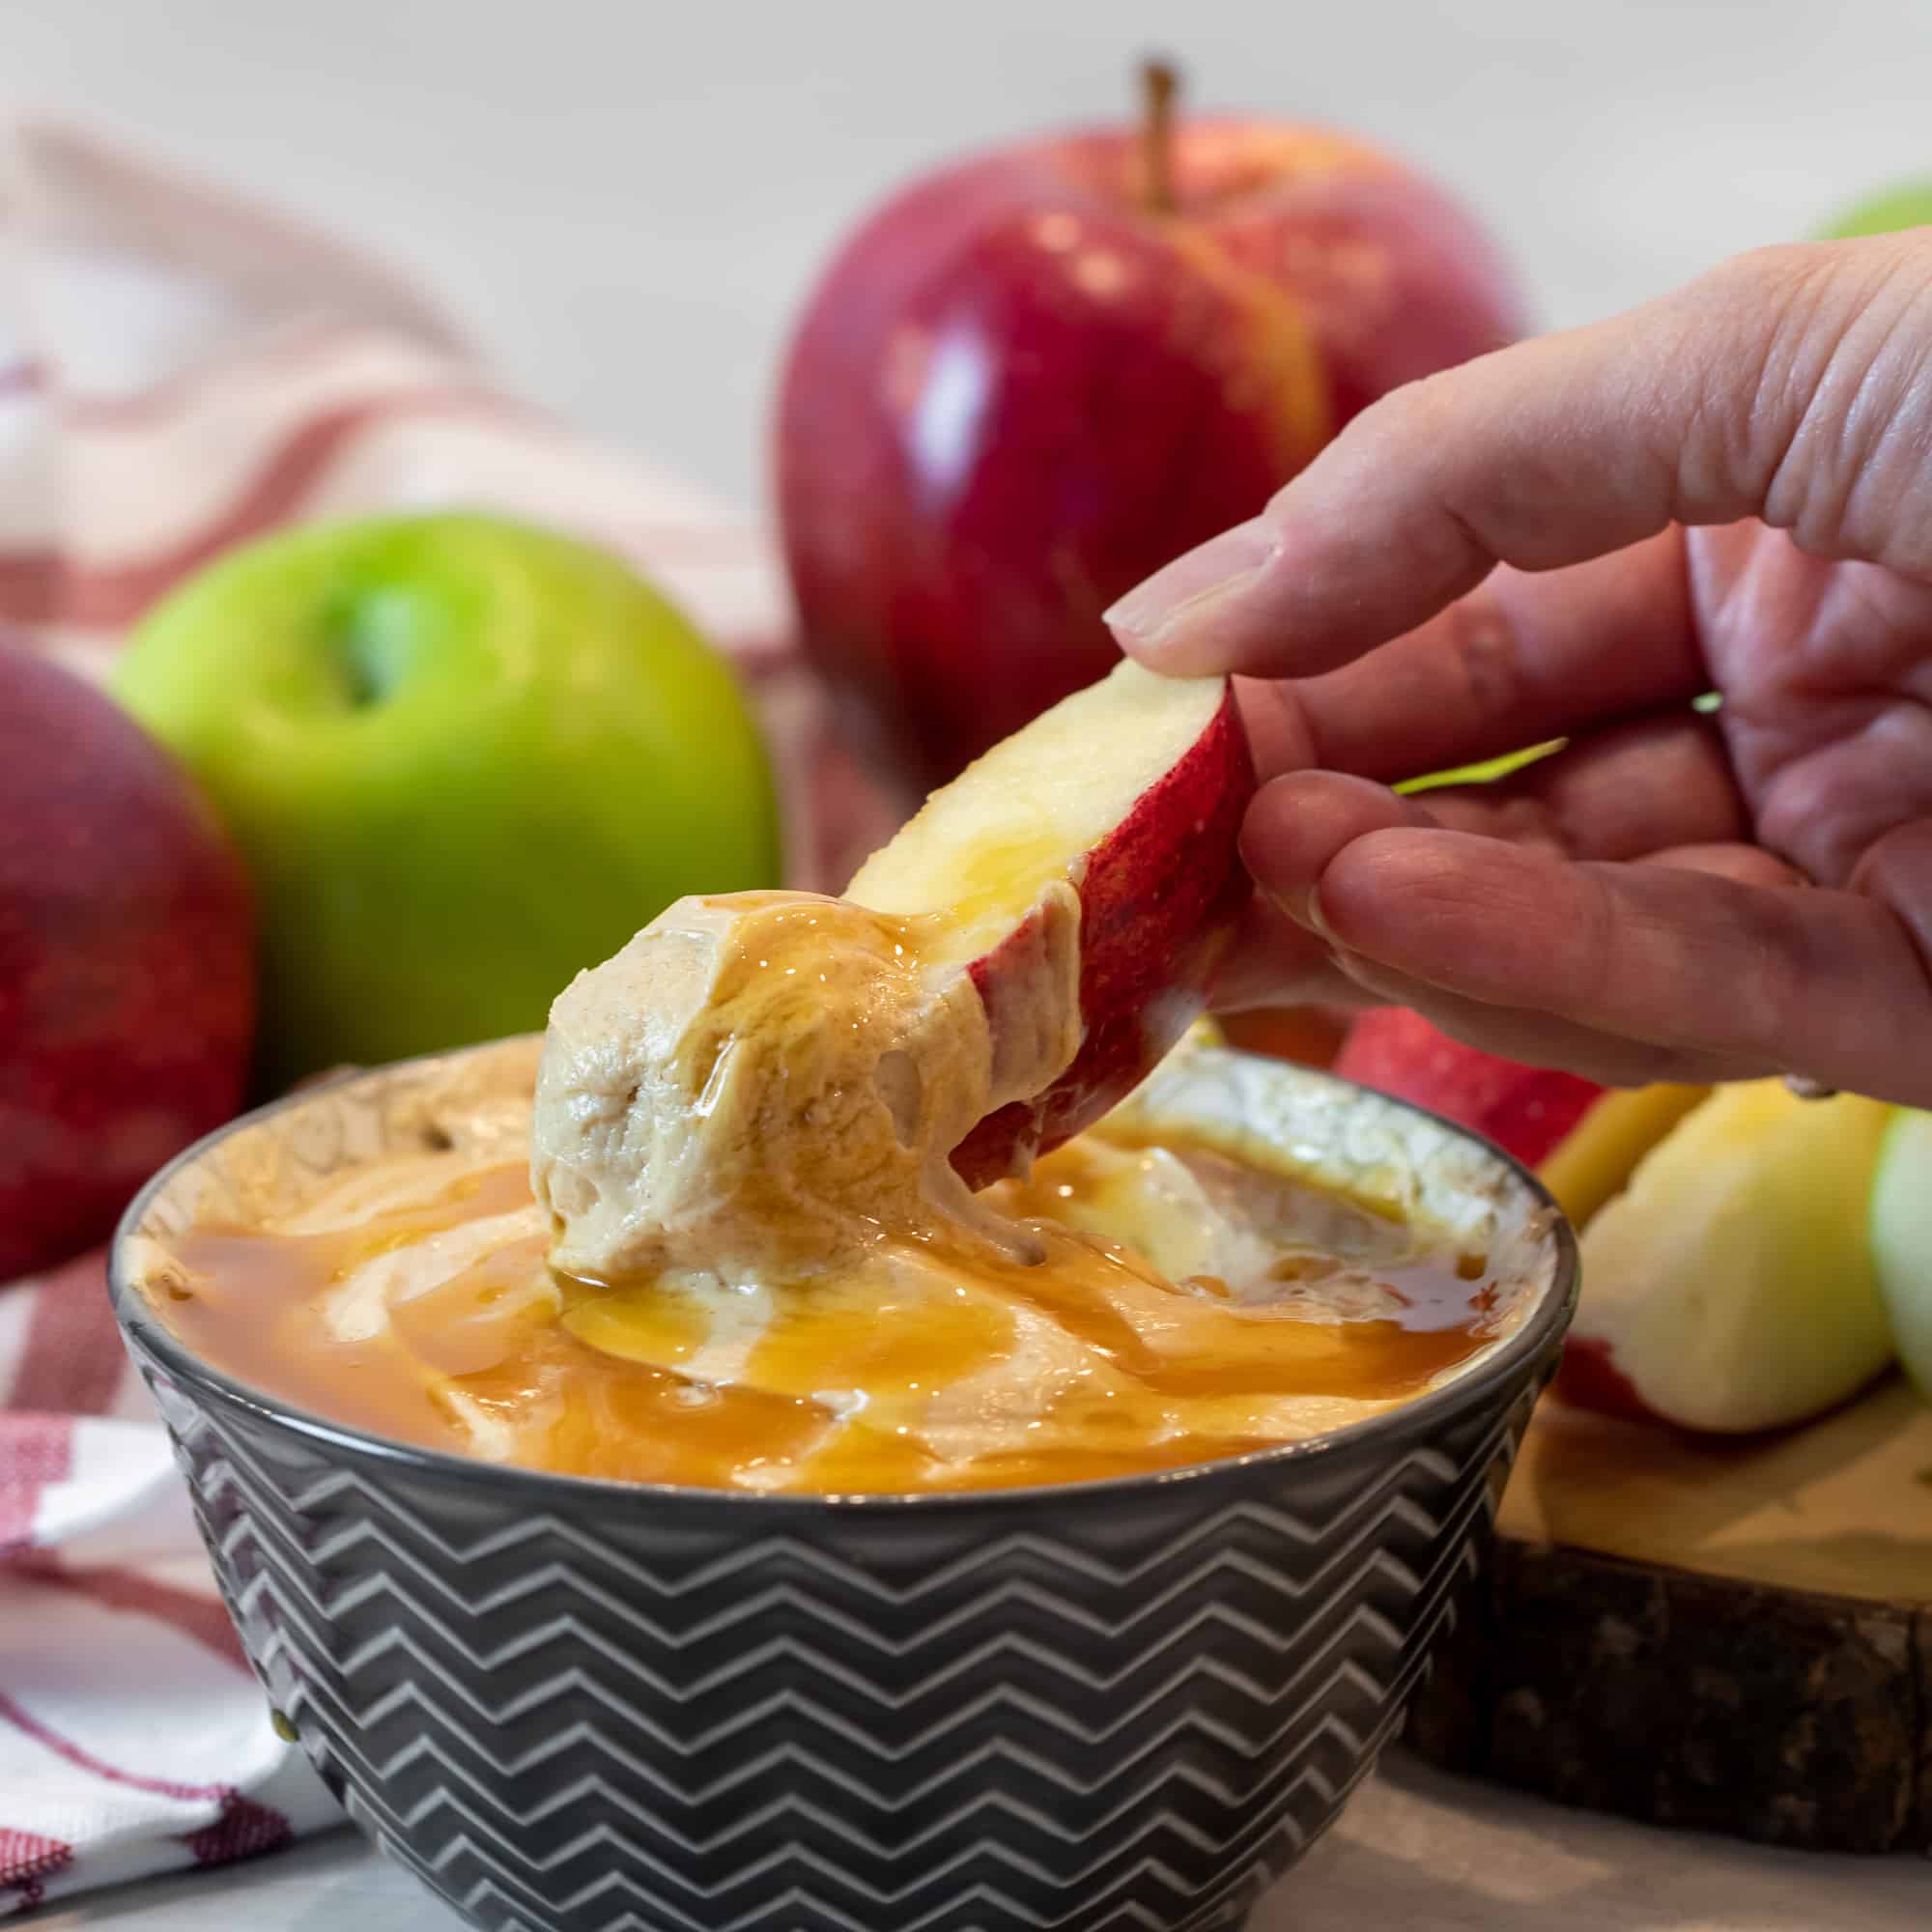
x=578, y=1706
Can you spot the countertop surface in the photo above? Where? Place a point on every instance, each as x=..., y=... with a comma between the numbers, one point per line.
x=1414, y=1851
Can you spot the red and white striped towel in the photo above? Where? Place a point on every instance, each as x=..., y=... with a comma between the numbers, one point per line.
x=180, y=371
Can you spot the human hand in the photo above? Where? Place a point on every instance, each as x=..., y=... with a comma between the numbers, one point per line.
x=1727, y=490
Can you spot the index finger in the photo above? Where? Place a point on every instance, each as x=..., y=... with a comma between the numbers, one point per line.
x=1820, y=982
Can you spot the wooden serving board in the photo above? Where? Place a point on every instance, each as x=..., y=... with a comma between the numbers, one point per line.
x=1731, y=1638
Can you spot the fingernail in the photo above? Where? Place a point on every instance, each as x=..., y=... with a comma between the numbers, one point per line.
x=1304, y=908
x=1155, y=616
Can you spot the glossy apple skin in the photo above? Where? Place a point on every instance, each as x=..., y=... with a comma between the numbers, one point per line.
x=126, y=963
x=464, y=759
x=1015, y=393
x=1159, y=902
x=1526, y=1111
x=1398, y=278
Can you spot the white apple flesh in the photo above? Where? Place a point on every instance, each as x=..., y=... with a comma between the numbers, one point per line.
x=755, y=1076
x=1132, y=793
x=1730, y=1287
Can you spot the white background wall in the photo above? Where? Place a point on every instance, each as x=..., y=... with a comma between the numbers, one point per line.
x=625, y=198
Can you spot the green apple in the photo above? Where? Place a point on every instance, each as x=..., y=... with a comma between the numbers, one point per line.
x=1909, y=205
x=1901, y=1238
x=463, y=758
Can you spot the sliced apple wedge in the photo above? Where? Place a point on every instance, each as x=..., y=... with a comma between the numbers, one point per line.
x=1901, y=1238
x=1132, y=792
x=1730, y=1287
x=759, y=1079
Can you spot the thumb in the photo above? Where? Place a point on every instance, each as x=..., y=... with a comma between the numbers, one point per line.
x=1788, y=384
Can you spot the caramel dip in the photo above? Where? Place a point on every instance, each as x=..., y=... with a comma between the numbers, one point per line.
x=714, y=1239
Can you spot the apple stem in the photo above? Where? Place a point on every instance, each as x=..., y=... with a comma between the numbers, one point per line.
x=1160, y=83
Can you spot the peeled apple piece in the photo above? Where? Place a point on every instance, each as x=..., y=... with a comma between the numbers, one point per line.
x=1901, y=1238
x=1730, y=1287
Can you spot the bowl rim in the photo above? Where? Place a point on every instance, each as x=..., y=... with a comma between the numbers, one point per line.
x=144, y=1333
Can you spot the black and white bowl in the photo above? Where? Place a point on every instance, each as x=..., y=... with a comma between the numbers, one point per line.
x=578, y=1706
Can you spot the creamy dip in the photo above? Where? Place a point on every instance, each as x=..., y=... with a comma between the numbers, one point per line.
x=722, y=1240
x=1185, y=1306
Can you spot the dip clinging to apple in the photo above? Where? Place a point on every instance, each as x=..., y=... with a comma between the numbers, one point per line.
x=840, y=1195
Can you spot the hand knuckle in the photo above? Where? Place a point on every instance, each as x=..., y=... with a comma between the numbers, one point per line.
x=1842, y=392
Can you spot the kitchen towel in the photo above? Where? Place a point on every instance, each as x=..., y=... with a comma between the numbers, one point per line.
x=180, y=371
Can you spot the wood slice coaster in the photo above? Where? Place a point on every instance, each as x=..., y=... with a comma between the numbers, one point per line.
x=1733, y=1637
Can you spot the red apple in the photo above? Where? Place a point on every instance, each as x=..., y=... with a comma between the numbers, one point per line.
x=1039, y=375
x=1145, y=833
x=126, y=963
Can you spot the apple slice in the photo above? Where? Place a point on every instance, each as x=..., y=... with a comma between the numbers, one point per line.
x=1730, y=1287
x=1132, y=792
x=761, y=1081
x=1901, y=1238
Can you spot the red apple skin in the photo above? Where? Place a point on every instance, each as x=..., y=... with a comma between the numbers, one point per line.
x=1159, y=902
x=1588, y=1377
x=1399, y=279
x=126, y=963
x=1016, y=394
x=1526, y=1111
